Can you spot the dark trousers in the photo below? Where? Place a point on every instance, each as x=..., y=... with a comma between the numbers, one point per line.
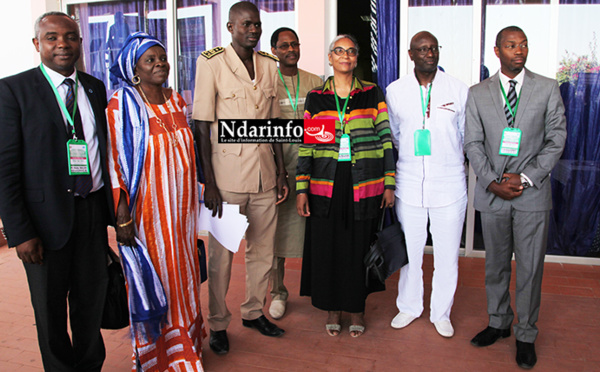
x=76, y=273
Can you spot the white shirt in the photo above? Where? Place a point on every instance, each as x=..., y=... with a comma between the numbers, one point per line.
x=87, y=119
x=436, y=180
x=505, y=81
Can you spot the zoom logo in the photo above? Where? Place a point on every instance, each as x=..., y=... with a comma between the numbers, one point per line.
x=319, y=131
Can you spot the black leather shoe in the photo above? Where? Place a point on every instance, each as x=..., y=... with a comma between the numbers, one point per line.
x=264, y=326
x=526, y=357
x=219, y=343
x=489, y=335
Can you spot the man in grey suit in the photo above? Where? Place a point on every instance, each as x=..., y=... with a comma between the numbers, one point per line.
x=515, y=133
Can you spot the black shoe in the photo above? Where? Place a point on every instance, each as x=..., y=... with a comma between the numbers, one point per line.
x=526, y=357
x=489, y=335
x=264, y=326
x=219, y=342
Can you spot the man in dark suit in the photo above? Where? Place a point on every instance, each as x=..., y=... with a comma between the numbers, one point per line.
x=514, y=134
x=56, y=221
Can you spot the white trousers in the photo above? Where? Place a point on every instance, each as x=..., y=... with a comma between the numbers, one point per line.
x=446, y=225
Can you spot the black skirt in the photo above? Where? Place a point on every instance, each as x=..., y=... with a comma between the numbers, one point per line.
x=333, y=272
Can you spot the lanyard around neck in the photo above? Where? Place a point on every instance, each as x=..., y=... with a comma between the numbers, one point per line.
x=424, y=104
x=295, y=103
x=342, y=113
x=512, y=112
x=70, y=116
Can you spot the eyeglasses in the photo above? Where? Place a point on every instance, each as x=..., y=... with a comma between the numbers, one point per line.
x=425, y=50
x=513, y=46
x=339, y=51
x=286, y=46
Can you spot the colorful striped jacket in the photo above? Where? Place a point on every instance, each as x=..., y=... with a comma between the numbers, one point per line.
x=373, y=167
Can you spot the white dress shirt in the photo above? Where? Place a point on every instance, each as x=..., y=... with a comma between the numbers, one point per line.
x=87, y=119
x=505, y=81
x=436, y=180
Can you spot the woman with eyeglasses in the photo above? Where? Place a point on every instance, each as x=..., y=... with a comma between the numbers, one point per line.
x=342, y=188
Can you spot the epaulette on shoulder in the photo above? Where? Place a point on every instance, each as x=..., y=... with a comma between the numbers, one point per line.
x=265, y=54
x=208, y=54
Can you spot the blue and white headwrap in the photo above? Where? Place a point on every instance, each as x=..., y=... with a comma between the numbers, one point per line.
x=147, y=300
x=135, y=46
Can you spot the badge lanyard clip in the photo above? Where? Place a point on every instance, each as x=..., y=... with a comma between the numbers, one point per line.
x=295, y=102
x=511, y=137
x=77, y=150
x=512, y=111
x=422, y=137
x=70, y=116
x=345, y=153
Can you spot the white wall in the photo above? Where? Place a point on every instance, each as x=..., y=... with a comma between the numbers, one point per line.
x=453, y=27
x=16, y=24
x=15, y=20
x=534, y=20
x=577, y=30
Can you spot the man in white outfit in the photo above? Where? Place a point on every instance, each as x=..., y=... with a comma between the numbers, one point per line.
x=427, y=118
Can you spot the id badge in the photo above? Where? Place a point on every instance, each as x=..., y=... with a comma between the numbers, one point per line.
x=511, y=141
x=345, y=154
x=422, y=142
x=77, y=155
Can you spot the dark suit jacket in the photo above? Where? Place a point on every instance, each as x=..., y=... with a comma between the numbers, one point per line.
x=541, y=118
x=36, y=191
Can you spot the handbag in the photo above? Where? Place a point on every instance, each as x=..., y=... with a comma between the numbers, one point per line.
x=116, y=310
x=387, y=253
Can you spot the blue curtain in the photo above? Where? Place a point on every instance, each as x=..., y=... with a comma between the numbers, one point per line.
x=515, y=2
x=439, y=2
x=579, y=2
x=576, y=178
x=102, y=42
x=271, y=6
x=387, y=42
x=191, y=40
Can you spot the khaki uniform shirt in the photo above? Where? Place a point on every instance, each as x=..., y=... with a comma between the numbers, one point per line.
x=289, y=238
x=224, y=90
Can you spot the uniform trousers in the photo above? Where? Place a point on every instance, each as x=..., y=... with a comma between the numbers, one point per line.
x=76, y=273
x=446, y=225
x=261, y=211
x=278, y=289
x=505, y=231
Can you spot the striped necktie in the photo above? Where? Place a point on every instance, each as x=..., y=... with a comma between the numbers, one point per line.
x=83, y=184
x=512, y=101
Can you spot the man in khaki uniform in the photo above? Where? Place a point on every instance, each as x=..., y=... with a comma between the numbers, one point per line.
x=237, y=83
x=293, y=85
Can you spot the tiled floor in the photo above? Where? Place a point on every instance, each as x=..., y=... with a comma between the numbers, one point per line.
x=569, y=339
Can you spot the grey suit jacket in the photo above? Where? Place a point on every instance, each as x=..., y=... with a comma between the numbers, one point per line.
x=541, y=118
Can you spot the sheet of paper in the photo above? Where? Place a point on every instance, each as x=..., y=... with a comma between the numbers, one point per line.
x=229, y=230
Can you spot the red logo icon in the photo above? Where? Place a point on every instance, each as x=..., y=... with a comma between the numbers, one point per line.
x=319, y=131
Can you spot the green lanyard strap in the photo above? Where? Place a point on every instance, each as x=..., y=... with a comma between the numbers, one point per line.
x=70, y=116
x=424, y=104
x=512, y=112
x=342, y=113
x=294, y=104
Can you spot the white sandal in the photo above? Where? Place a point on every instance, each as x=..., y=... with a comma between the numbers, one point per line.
x=357, y=328
x=331, y=328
